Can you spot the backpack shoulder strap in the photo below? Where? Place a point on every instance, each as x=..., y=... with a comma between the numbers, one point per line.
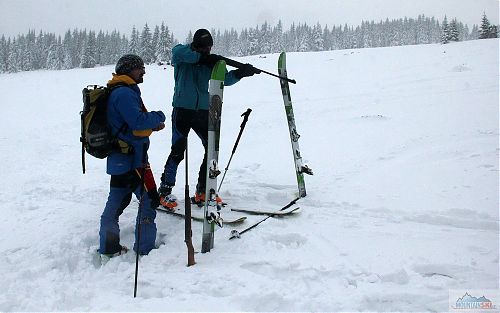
x=123, y=128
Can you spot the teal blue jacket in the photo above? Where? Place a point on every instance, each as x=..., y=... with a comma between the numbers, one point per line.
x=191, y=79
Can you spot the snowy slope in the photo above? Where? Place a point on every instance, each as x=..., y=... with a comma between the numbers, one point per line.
x=402, y=208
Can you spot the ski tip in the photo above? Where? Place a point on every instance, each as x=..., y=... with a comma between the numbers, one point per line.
x=219, y=71
x=282, y=60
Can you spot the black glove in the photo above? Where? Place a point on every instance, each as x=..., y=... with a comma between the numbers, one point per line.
x=209, y=59
x=245, y=71
x=155, y=198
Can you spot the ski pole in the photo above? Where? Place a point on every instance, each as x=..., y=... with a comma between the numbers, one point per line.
x=237, y=64
x=242, y=127
x=188, y=233
x=139, y=216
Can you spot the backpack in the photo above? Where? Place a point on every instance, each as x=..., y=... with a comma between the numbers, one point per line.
x=96, y=137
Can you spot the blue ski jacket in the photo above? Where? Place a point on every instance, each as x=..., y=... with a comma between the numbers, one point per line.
x=191, y=79
x=125, y=107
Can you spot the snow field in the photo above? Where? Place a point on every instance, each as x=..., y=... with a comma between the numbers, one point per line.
x=402, y=208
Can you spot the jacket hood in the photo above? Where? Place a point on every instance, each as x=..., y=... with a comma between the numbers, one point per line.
x=120, y=80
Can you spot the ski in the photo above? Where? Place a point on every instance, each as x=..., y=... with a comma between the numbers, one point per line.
x=266, y=212
x=300, y=168
x=228, y=217
x=237, y=234
x=211, y=210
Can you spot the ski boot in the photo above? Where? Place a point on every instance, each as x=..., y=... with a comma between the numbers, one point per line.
x=167, y=199
x=199, y=199
x=105, y=257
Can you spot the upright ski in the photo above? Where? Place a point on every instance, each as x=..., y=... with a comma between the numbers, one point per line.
x=211, y=210
x=300, y=168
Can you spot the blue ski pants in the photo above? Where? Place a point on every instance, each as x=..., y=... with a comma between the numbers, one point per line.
x=120, y=194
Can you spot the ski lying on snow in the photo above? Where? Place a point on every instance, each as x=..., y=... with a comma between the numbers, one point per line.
x=237, y=234
x=227, y=216
x=267, y=211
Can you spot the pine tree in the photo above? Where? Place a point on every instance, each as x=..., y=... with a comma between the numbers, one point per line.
x=243, y=43
x=317, y=41
x=13, y=58
x=66, y=43
x=164, y=45
x=154, y=42
x=484, y=30
x=33, y=52
x=76, y=48
x=234, y=48
x=124, y=44
x=55, y=56
x=89, y=51
x=4, y=54
x=100, y=48
x=453, y=31
x=28, y=53
x=265, y=38
x=303, y=38
x=134, y=45
x=147, y=51
x=445, y=35
x=277, y=38
x=253, y=42
x=493, y=31
x=113, y=48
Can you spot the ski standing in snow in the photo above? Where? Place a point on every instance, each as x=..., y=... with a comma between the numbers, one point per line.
x=300, y=168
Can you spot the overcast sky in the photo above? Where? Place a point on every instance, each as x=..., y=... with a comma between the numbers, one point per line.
x=18, y=16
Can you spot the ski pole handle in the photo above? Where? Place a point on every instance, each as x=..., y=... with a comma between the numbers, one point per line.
x=242, y=126
x=245, y=117
x=237, y=64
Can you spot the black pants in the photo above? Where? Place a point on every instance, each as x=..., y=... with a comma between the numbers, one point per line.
x=183, y=120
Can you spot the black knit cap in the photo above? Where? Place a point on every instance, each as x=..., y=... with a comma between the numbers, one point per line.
x=128, y=63
x=202, y=38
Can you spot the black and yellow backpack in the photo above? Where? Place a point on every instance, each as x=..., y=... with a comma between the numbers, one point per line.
x=96, y=137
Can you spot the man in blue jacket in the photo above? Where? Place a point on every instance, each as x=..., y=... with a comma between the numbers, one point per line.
x=128, y=117
x=193, y=65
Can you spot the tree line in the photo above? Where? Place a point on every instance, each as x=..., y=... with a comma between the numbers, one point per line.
x=451, y=31
x=86, y=49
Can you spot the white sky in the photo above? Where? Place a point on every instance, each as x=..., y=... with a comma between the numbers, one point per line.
x=18, y=16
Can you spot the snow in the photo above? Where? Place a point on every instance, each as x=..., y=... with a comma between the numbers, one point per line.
x=403, y=206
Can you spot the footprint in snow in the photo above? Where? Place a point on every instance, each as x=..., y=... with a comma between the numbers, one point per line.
x=461, y=68
x=292, y=240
